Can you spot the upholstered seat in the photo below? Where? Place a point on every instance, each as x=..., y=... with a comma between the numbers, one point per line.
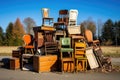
x=28, y=40
x=89, y=38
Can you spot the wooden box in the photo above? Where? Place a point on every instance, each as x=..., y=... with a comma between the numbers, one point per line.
x=16, y=53
x=14, y=63
x=45, y=63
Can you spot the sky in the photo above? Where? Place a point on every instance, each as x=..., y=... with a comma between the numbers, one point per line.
x=102, y=10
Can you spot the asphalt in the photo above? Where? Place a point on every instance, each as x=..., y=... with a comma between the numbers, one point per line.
x=7, y=74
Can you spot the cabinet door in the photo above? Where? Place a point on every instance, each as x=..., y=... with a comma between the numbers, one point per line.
x=40, y=40
x=91, y=59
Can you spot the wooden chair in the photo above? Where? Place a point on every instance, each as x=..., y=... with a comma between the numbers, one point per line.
x=60, y=30
x=50, y=45
x=28, y=40
x=89, y=37
x=66, y=54
x=73, y=13
x=61, y=24
x=103, y=61
x=63, y=16
x=46, y=20
x=80, y=56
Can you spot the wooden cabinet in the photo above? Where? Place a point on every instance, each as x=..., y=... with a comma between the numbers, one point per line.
x=45, y=63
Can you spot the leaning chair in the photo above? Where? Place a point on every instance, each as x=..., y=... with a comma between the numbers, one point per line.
x=66, y=55
x=28, y=40
x=89, y=38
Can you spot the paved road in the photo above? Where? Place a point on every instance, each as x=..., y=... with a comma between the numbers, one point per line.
x=6, y=74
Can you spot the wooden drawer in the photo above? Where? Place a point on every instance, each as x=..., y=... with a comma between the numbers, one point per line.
x=14, y=63
x=45, y=63
x=16, y=53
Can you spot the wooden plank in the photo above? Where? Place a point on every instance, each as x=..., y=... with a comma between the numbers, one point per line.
x=91, y=58
x=48, y=58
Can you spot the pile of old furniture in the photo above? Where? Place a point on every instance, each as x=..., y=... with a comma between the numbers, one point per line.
x=59, y=46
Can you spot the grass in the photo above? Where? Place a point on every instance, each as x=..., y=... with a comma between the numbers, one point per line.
x=107, y=50
x=7, y=50
x=111, y=50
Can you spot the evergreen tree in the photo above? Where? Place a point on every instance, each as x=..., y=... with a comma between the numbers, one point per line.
x=9, y=36
x=107, y=32
x=1, y=37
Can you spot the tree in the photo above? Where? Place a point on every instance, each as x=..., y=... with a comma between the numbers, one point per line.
x=107, y=32
x=29, y=24
x=118, y=24
x=89, y=24
x=1, y=36
x=82, y=29
x=18, y=32
x=9, y=35
x=116, y=30
x=99, y=26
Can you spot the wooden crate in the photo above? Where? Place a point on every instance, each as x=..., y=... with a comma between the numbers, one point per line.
x=45, y=63
x=14, y=63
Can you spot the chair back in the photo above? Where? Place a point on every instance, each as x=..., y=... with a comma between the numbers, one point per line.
x=88, y=35
x=80, y=48
x=63, y=13
x=45, y=12
x=63, y=16
x=73, y=14
x=65, y=41
x=27, y=38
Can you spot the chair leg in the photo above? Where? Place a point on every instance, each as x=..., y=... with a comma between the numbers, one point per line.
x=83, y=65
x=86, y=65
x=62, y=66
x=76, y=65
x=25, y=51
x=32, y=51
